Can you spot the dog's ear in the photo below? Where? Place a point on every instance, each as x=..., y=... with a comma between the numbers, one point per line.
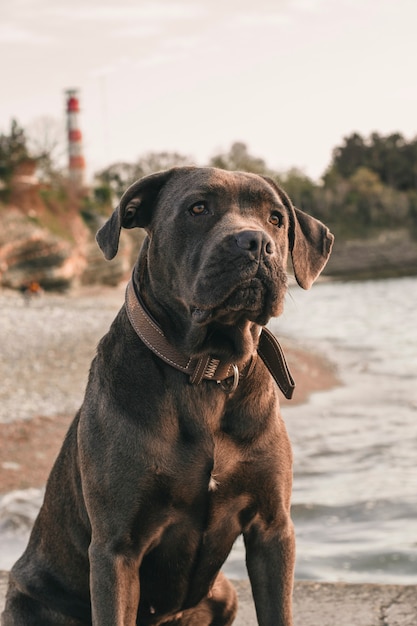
x=134, y=210
x=310, y=245
x=310, y=242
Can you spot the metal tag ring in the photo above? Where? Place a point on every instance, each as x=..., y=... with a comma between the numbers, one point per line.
x=229, y=386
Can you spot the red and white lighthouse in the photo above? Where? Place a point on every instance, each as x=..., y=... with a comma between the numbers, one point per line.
x=76, y=163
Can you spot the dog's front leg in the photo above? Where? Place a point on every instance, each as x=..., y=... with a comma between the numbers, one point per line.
x=270, y=558
x=114, y=586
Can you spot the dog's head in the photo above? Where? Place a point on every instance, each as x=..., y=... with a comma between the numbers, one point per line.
x=218, y=243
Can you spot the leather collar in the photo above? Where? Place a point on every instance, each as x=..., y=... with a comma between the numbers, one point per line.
x=206, y=367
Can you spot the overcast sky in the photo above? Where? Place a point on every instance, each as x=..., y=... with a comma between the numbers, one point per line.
x=290, y=78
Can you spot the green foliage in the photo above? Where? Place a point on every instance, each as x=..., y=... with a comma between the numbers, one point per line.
x=13, y=151
x=117, y=177
x=38, y=146
x=158, y=161
x=302, y=190
x=239, y=159
x=361, y=204
x=392, y=158
x=102, y=195
x=371, y=184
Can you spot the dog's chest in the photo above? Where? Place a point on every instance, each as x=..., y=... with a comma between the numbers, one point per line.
x=204, y=495
x=204, y=466
x=227, y=459
x=199, y=476
x=197, y=461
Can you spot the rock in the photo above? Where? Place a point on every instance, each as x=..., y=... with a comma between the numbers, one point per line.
x=98, y=271
x=29, y=252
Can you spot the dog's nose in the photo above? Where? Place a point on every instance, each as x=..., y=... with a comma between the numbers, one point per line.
x=256, y=242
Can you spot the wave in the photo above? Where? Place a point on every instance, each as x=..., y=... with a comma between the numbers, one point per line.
x=18, y=509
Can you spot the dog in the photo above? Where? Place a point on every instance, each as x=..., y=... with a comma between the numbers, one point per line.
x=179, y=446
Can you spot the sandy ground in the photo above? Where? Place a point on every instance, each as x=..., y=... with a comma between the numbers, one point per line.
x=47, y=347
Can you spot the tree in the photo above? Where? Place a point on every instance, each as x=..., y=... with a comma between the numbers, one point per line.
x=13, y=151
x=392, y=158
x=353, y=153
x=118, y=176
x=157, y=161
x=238, y=158
x=302, y=191
x=362, y=204
x=46, y=140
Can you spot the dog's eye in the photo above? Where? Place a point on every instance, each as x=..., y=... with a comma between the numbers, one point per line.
x=199, y=208
x=276, y=219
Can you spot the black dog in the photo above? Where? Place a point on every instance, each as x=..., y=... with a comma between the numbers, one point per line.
x=179, y=446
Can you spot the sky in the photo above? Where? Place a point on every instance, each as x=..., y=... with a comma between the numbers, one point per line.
x=290, y=78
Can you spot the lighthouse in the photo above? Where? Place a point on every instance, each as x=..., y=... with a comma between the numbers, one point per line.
x=76, y=163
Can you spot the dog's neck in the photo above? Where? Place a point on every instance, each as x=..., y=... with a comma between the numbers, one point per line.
x=206, y=366
x=197, y=333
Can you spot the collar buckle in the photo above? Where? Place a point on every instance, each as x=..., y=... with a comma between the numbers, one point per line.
x=228, y=385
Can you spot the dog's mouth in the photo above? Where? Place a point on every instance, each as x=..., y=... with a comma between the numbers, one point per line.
x=228, y=327
x=252, y=300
